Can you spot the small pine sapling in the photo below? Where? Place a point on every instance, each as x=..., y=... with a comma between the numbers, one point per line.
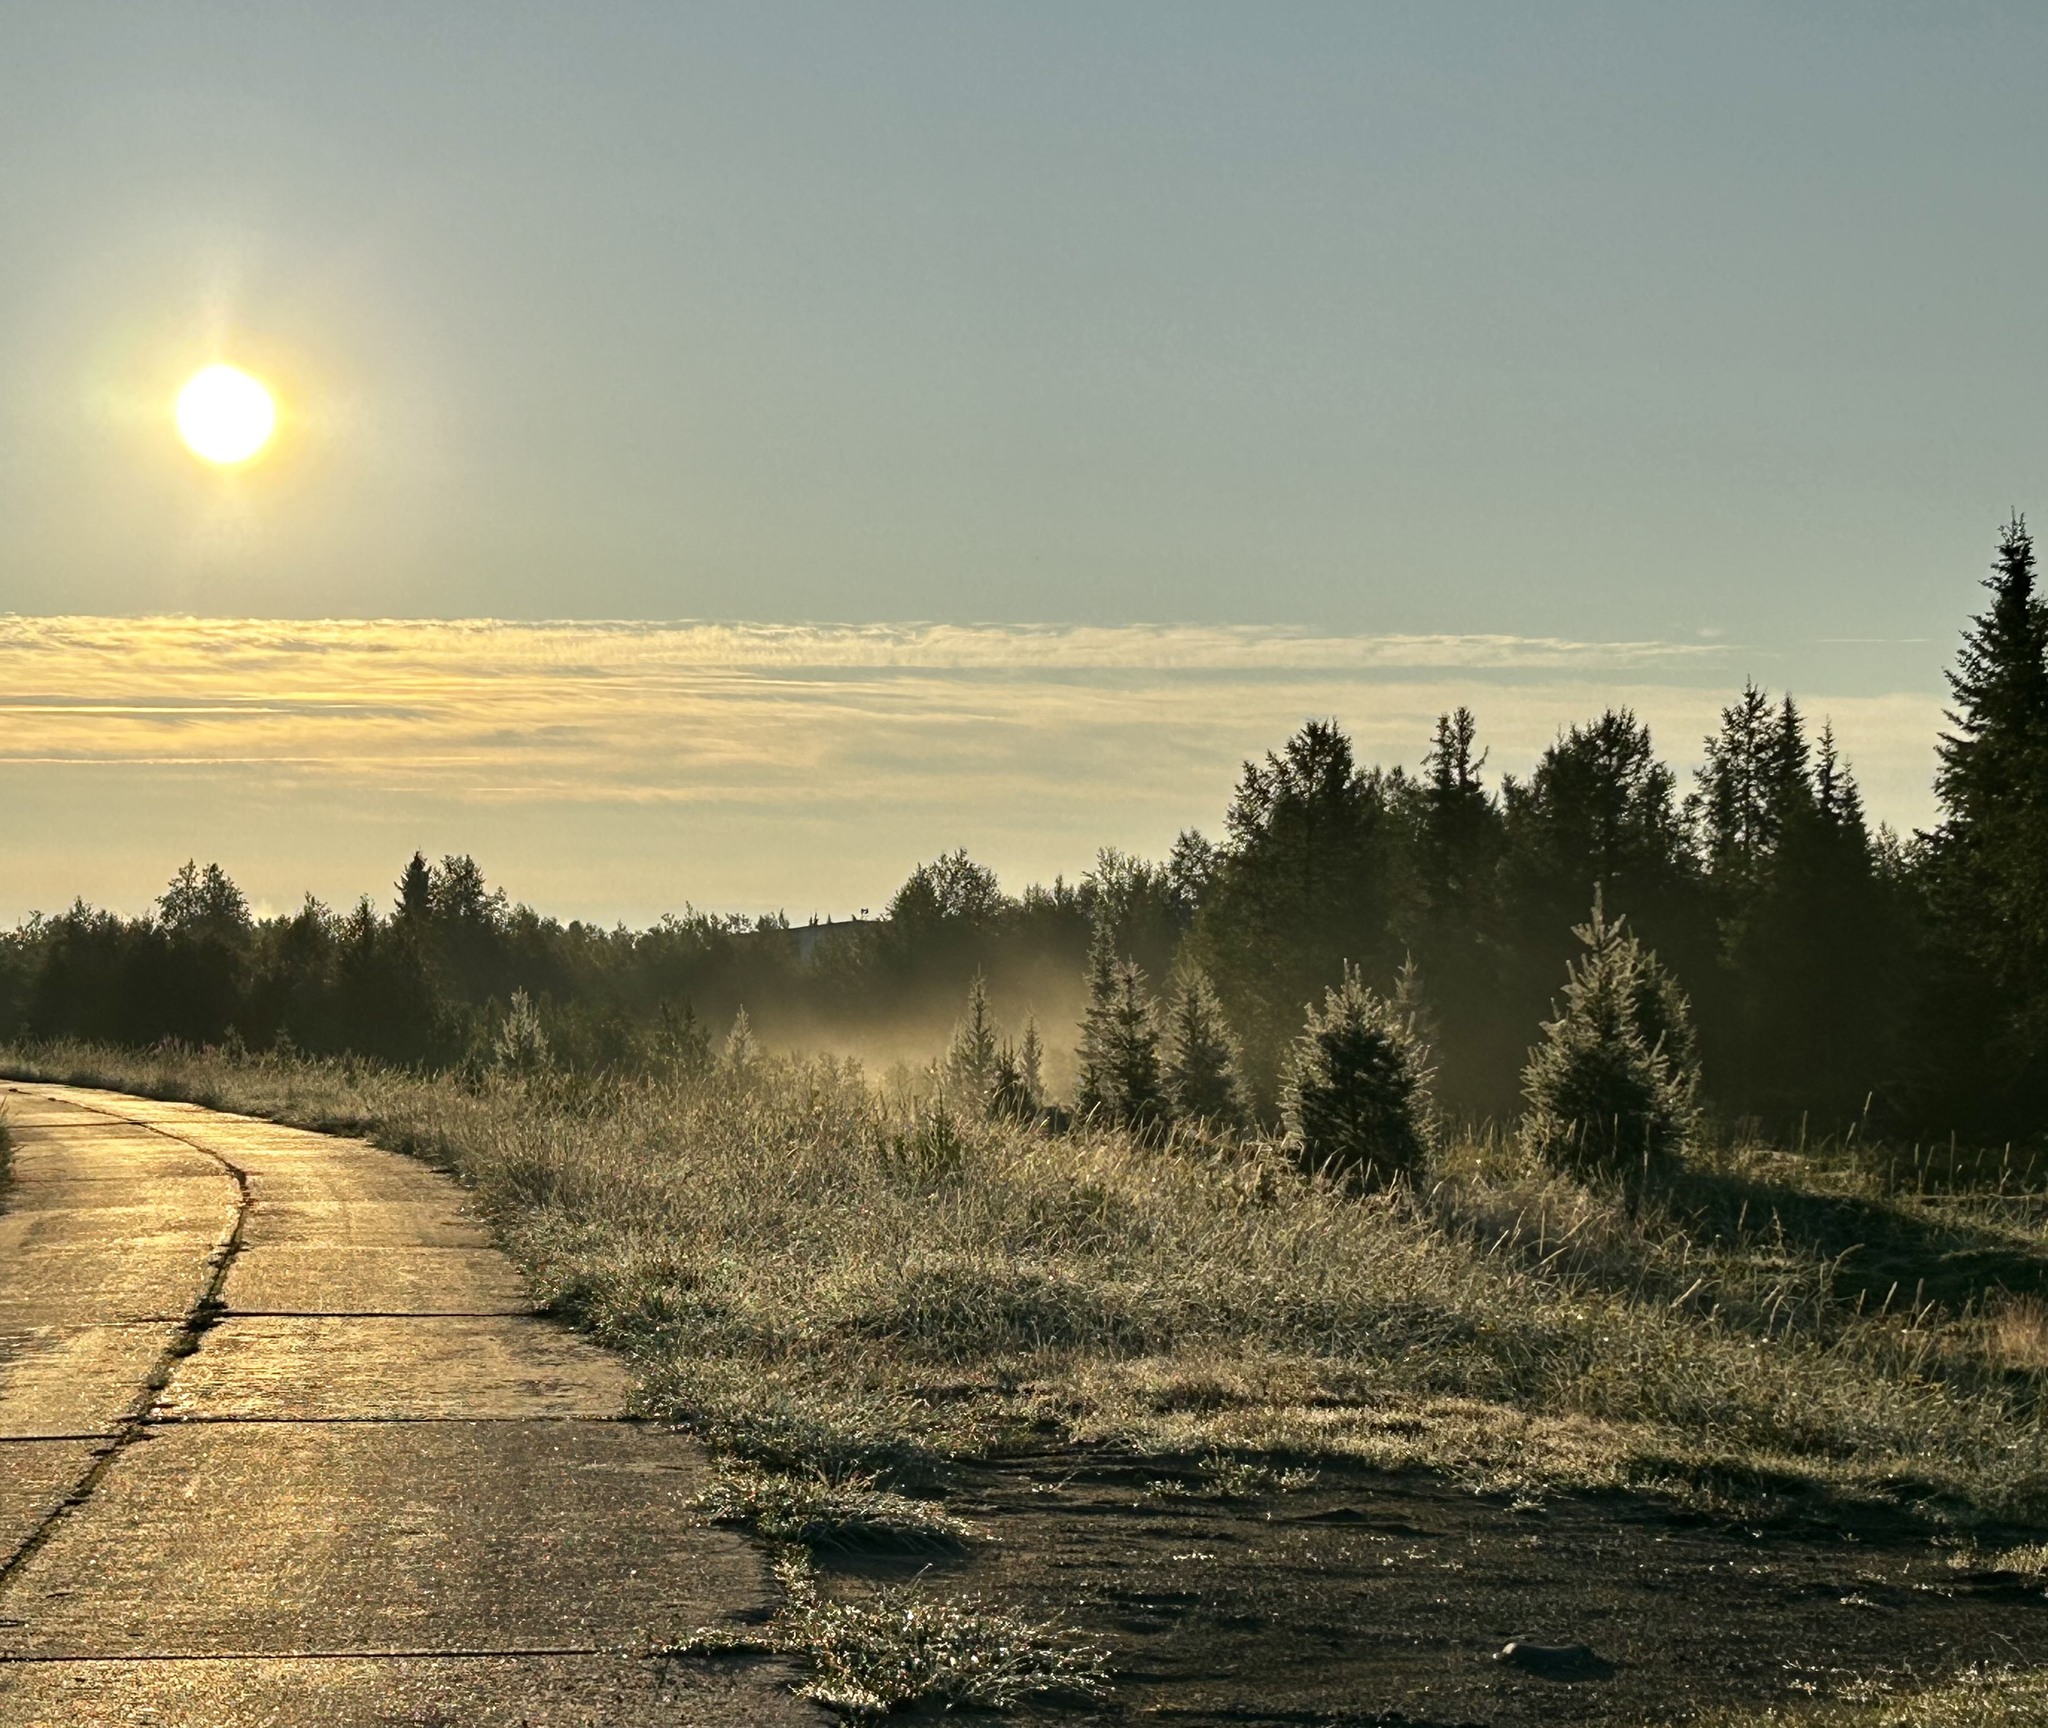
x=1122, y=1078
x=1031, y=1063
x=1019, y=1091
x=1355, y=1094
x=741, y=1051
x=973, y=1056
x=521, y=1046
x=1202, y=1073
x=1612, y=1087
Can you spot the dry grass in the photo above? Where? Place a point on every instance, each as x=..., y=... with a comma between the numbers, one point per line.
x=2018, y=1328
x=832, y=1282
x=817, y=1512
x=1982, y=1698
x=900, y=1648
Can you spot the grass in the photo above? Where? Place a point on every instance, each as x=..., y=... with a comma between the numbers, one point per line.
x=837, y=1282
x=1983, y=1698
x=842, y=1288
x=817, y=1512
x=900, y=1648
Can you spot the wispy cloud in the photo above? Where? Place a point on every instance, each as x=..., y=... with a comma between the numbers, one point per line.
x=810, y=763
x=600, y=649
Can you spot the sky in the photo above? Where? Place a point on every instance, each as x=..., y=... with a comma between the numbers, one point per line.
x=1712, y=331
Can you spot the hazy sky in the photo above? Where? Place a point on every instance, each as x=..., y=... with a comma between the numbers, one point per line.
x=620, y=770
x=1714, y=330
x=1594, y=320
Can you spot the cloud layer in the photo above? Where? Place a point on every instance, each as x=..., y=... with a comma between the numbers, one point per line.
x=619, y=770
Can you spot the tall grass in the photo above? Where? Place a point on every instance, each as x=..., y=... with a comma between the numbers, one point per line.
x=816, y=1272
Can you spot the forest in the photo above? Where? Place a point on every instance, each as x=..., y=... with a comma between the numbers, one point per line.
x=1837, y=978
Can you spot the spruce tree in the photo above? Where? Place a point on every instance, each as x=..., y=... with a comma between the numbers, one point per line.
x=1611, y=1088
x=1306, y=876
x=1202, y=1067
x=1095, y=1089
x=1992, y=757
x=1122, y=1079
x=1988, y=857
x=1031, y=1065
x=741, y=1051
x=1017, y=1091
x=1810, y=949
x=971, y=1059
x=1599, y=810
x=1356, y=1091
x=1753, y=782
x=1457, y=924
x=416, y=891
x=521, y=1045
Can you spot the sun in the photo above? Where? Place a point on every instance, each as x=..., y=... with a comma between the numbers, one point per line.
x=225, y=416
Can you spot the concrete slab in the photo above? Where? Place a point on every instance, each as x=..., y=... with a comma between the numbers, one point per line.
x=364, y=1224
x=27, y=1107
x=85, y=1132
x=123, y=1106
x=77, y=1380
x=356, y=1175
x=384, y=1537
x=306, y=1278
x=36, y=1477
x=329, y=1369
x=51, y=1283
x=490, y=1692
x=391, y=1520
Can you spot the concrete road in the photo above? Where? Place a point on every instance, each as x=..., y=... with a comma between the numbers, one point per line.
x=282, y=1441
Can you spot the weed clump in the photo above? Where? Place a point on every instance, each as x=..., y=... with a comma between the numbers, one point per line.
x=817, y=1512
x=1356, y=1090
x=900, y=1648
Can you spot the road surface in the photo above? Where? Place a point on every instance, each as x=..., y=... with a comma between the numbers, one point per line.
x=282, y=1441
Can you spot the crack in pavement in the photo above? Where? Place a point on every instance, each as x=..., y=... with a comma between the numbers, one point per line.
x=194, y=1325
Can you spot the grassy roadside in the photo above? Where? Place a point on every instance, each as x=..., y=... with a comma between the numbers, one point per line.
x=844, y=1291
x=823, y=1278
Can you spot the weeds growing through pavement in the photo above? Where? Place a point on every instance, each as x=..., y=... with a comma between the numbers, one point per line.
x=900, y=1647
x=817, y=1512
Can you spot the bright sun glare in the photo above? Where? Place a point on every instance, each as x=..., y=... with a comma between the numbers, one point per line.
x=225, y=415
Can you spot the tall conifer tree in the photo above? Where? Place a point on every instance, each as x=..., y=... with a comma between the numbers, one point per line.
x=1988, y=857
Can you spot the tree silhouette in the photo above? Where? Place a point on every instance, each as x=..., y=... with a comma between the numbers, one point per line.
x=1987, y=863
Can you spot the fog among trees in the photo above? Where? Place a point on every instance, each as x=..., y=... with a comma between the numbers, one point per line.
x=1834, y=974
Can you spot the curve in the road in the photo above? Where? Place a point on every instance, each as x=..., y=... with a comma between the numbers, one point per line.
x=289, y=1444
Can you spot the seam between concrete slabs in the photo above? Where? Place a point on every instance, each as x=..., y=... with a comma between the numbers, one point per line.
x=192, y=1328
x=382, y=1314
x=384, y=1421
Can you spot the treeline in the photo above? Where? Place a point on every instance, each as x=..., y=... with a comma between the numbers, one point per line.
x=1835, y=974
